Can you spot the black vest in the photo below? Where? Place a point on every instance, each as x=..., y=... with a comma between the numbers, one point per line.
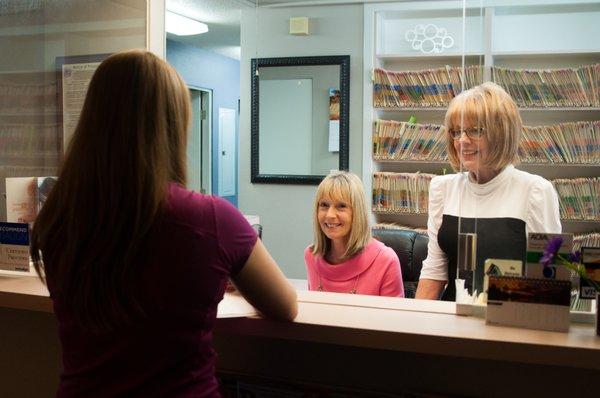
x=502, y=238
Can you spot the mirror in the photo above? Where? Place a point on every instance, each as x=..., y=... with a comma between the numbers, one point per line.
x=299, y=118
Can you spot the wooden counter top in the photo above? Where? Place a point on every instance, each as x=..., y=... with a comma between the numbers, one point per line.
x=429, y=327
x=24, y=293
x=423, y=326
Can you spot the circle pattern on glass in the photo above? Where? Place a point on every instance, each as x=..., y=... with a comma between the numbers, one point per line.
x=429, y=38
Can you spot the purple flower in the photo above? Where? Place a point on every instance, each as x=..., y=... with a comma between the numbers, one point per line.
x=554, y=244
x=575, y=257
x=546, y=259
x=551, y=250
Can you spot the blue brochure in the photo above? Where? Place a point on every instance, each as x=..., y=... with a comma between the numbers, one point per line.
x=14, y=246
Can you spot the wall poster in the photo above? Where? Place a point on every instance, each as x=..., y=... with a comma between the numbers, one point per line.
x=75, y=74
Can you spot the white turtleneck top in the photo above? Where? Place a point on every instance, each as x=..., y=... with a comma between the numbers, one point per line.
x=501, y=212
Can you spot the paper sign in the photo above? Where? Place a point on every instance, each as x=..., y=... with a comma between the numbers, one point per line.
x=14, y=246
x=536, y=244
x=590, y=257
x=334, y=136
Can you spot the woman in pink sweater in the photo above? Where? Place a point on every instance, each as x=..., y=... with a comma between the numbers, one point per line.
x=344, y=258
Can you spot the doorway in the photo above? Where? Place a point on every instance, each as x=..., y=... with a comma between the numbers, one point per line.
x=199, y=152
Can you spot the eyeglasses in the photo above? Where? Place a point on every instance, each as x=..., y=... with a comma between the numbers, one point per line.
x=473, y=133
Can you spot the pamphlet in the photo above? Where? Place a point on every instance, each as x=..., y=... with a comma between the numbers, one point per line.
x=334, y=120
x=21, y=199
x=25, y=197
x=44, y=186
x=14, y=246
x=536, y=244
x=590, y=257
x=500, y=267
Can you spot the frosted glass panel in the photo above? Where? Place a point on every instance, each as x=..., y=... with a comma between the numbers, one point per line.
x=402, y=30
x=36, y=37
x=547, y=29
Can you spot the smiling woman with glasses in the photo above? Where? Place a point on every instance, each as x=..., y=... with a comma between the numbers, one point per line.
x=490, y=197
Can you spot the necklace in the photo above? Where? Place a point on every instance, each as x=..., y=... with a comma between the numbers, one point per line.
x=353, y=291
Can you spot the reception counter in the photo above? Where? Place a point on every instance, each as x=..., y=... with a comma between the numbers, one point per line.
x=360, y=345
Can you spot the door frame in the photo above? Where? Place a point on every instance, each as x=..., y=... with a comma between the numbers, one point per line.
x=206, y=129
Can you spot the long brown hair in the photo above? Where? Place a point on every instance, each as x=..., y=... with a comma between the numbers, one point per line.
x=130, y=142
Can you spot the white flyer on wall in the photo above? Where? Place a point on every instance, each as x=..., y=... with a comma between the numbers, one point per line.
x=75, y=81
x=334, y=120
x=334, y=136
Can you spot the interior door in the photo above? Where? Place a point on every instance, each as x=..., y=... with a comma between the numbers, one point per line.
x=227, y=183
x=194, y=149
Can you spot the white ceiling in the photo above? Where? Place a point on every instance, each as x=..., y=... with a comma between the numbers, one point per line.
x=223, y=20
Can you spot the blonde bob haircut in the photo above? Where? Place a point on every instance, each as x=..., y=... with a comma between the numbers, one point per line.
x=489, y=107
x=346, y=187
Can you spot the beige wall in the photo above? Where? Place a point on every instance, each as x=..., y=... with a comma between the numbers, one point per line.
x=286, y=210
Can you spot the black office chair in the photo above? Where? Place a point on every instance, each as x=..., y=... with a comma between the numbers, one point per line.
x=258, y=228
x=411, y=248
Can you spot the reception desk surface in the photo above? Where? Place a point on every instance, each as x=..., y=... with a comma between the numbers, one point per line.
x=419, y=326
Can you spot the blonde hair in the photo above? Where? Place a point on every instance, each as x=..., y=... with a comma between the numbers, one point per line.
x=489, y=107
x=347, y=187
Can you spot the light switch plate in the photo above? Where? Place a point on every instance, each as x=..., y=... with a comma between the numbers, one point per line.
x=299, y=26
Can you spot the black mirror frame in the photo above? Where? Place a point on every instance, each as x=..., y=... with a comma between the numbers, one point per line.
x=344, y=62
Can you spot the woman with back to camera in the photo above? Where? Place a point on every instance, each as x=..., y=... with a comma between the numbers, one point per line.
x=344, y=258
x=135, y=263
x=493, y=199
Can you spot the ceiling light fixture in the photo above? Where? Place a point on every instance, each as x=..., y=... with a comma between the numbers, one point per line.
x=183, y=26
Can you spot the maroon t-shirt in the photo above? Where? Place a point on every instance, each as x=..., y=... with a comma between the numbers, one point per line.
x=187, y=259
